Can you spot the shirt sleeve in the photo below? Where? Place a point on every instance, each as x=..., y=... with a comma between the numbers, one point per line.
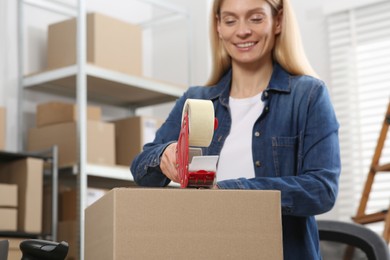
x=145, y=167
x=313, y=190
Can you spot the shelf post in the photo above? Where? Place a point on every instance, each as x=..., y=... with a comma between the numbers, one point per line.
x=81, y=94
x=54, y=195
x=19, y=109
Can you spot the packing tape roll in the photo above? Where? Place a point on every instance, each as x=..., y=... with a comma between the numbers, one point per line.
x=201, y=121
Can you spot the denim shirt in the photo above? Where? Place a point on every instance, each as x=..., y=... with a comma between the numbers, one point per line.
x=295, y=150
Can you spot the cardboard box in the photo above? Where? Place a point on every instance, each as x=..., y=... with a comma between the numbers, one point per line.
x=67, y=231
x=28, y=175
x=100, y=142
x=8, y=219
x=68, y=202
x=184, y=224
x=8, y=195
x=2, y=128
x=131, y=134
x=58, y=112
x=47, y=204
x=14, y=252
x=111, y=44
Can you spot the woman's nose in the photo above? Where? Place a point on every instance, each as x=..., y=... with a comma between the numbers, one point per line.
x=244, y=30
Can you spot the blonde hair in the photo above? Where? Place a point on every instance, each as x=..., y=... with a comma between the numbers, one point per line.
x=288, y=50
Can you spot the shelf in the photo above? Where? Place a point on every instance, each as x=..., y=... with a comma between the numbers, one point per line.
x=115, y=172
x=17, y=234
x=105, y=86
x=112, y=172
x=6, y=156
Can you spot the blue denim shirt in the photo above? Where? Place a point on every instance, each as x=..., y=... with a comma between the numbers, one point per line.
x=295, y=150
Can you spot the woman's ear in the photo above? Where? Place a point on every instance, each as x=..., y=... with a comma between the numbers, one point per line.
x=218, y=26
x=279, y=22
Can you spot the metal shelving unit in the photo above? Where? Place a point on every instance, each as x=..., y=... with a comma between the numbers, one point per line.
x=51, y=157
x=107, y=87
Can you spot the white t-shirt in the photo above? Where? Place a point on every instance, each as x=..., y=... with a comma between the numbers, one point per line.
x=235, y=160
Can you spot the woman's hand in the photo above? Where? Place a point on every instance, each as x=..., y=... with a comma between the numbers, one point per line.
x=168, y=163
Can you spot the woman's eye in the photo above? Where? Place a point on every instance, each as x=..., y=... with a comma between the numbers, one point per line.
x=229, y=21
x=256, y=19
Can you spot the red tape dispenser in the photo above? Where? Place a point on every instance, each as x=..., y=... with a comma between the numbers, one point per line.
x=197, y=129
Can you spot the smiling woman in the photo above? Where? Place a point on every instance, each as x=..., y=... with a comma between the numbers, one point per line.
x=288, y=49
x=248, y=33
x=277, y=128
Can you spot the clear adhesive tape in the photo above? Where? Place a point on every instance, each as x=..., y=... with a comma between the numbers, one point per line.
x=201, y=121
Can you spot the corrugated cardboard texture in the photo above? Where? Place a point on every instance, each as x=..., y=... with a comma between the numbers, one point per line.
x=131, y=134
x=58, y=112
x=111, y=44
x=2, y=128
x=184, y=224
x=28, y=175
x=100, y=142
x=8, y=195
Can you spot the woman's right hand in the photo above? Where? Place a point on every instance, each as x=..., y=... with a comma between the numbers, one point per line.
x=168, y=163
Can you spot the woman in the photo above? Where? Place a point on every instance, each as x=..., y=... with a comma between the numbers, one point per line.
x=277, y=128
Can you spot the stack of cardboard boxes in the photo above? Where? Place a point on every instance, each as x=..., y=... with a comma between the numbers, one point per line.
x=27, y=175
x=21, y=192
x=8, y=207
x=20, y=196
x=56, y=124
x=108, y=143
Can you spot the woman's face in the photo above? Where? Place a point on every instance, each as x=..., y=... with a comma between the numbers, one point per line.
x=247, y=29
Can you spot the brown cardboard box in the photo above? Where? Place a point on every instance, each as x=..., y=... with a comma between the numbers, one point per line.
x=68, y=202
x=28, y=175
x=111, y=44
x=14, y=252
x=47, y=204
x=131, y=134
x=8, y=195
x=67, y=231
x=58, y=112
x=184, y=224
x=2, y=128
x=8, y=219
x=100, y=142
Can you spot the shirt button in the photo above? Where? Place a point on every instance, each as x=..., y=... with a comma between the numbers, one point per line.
x=267, y=109
x=258, y=164
x=257, y=134
x=266, y=94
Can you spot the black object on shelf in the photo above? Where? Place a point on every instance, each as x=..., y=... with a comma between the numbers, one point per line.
x=36, y=249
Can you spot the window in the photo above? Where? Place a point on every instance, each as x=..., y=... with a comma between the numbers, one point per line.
x=359, y=43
